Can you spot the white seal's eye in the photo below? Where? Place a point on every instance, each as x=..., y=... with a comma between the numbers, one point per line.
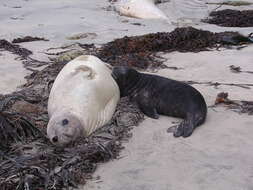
x=65, y=122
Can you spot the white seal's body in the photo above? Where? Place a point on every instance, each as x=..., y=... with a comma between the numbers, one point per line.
x=145, y=9
x=83, y=98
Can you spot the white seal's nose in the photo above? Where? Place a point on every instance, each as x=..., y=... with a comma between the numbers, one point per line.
x=55, y=139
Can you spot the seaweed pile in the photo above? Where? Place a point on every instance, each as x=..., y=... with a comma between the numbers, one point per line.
x=238, y=106
x=40, y=165
x=140, y=51
x=231, y=18
x=16, y=49
x=27, y=158
x=29, y=161
x=28, y=39
x=15, y=128
x=23, y=53
x=238, y=69
x=231, y=3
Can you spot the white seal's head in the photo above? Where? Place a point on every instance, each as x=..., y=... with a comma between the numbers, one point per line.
x=64, y=128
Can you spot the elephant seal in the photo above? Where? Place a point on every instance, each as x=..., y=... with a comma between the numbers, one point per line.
x=159, y=95
x=145, y=9
x=83, y=98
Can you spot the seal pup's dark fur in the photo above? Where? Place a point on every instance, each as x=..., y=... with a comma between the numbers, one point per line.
x=159, y=95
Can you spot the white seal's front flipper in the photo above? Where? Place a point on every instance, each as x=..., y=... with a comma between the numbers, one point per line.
x=89, y=73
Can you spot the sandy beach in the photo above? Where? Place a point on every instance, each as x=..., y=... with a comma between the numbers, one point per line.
x=219, y=153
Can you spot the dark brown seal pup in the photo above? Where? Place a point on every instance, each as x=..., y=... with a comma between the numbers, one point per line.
x=159, y=95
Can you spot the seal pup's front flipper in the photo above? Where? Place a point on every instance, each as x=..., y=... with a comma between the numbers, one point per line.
x=145, y=106
x=149, y=111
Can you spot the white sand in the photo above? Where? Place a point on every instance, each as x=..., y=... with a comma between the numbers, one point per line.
x=11, y=73
x=217, y=156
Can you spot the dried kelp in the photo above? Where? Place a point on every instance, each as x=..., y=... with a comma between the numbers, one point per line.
x=235, y=105
x=23, y=53
x=28, y=39
x=238, y=69
x=16, y=49
x=231, y=18
x=15, y=128
x=29, y=104
x=33, y=163
x=233, y=38
x=216, y=84
x=140, y=51
x=232, y=3
x=40, y=165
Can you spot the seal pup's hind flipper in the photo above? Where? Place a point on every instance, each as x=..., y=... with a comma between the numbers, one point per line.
x=187, y=126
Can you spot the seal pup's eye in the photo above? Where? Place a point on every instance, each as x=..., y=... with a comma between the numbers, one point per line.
x=65, y=122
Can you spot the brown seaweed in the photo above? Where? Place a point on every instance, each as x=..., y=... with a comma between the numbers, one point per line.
x=15, y=128
x=32, y=162
x=23, y=53
x=40, y=165
x=231, y=3
x=239, y=106
x=140, y=51
x=28, y=39
x=238, y=69
x=231, y=18
x=29, y=161
x=16, y=49
x=216, y=84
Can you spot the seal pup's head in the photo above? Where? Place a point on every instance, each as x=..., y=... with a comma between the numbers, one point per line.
x=126, y=79
x=64, y=128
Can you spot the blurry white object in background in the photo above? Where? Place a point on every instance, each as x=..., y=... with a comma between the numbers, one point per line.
x=145, y=9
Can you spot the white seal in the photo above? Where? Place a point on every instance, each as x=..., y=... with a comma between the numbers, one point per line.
x=83, y=98
x=145, y=9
